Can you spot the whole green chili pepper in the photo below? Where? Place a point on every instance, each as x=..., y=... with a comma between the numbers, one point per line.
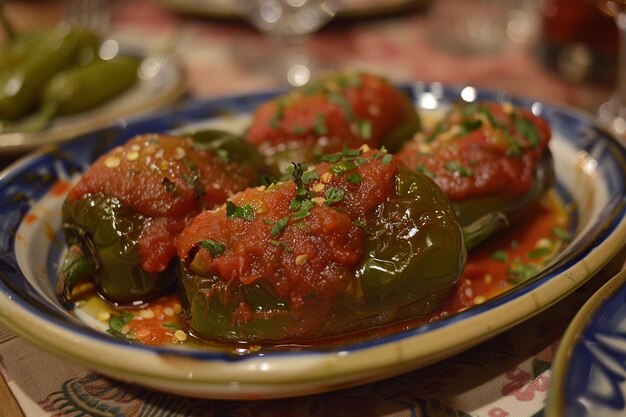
x=21, y=85
x=81, y=88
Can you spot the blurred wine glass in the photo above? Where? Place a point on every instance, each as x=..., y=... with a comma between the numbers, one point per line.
x=613, y=112
x=288, y=24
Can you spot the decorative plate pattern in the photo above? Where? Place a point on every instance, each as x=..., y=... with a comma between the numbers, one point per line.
x=590, y=366
x=590, y=167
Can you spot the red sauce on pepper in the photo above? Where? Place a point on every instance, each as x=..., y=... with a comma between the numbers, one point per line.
x=490, y=271
x=493, y=150
x=167, y=179
x=350, y=109
x=306, y=257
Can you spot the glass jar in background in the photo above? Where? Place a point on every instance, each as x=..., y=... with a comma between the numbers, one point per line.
x=578, y=41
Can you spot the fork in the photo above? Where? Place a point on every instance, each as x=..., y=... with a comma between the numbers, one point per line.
x=89, y=14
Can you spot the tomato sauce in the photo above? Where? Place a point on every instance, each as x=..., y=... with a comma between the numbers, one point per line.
x=350, y=109
x=304, y=253
x=492, y=149
x=167, y=179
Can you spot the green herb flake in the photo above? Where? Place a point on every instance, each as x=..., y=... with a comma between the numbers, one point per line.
x=363, y=226
x=309, y=176
x=539, y=252
x=319, y=125
x=562, y=234
x=355, y=178
x=117, y=323
x=240, y=212
x=387, y=159
x=305, y=210
x=281, y=245
x=279, y=115
x=266, y=180
x=214, y=248
x=172, y=326
x=520, y=272
x=364, y=129
x=333, y=195
x=424, y=170
x=455, y=167
x=332, y=158
x=343, y=103
x=342, y=166
x=279, y=225
x=499, y=255
x=468, y=126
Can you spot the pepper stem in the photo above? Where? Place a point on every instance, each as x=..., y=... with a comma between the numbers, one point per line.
x=75, y=267
x=481, y=229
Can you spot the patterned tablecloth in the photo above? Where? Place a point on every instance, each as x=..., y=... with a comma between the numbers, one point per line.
x=508, y=375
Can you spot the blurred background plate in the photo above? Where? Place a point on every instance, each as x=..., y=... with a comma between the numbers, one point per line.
x=162, y=80
x=590, y=366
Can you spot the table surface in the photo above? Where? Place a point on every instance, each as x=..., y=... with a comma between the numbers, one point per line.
x=508, y=375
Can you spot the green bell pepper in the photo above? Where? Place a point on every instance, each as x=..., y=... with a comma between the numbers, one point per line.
x=102, y=237
x=413, y=254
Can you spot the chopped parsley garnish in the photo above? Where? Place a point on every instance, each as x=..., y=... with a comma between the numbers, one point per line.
x=333, y=195
x=278, y=116
x=355, y=178
x=499, y=255
x=364, y=129
x=387, y=159
x=309, y=176
x=362, y=226
x=279, y=225
x=304, y=210
x=240, y=212
x=468, y=126
x=520, y=272
x=527, y=129
x=539, y=252
x=455, y=167
x=332, y=158
x=343, y=103
x=319, y=126
x=214, y=248
x=422, y=168
x=281, y=245
x=266, y=180
x=439, y=129
x=117, y=323
x=562, y=234
x=222, y=155
x=342, y=166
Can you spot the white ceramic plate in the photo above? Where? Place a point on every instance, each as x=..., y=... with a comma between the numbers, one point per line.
x=590, y=167
x=590, y=366
x=162, y=81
